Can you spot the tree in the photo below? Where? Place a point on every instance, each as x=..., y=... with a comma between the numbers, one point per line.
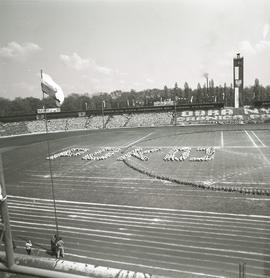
x=186, y=90
x=5, y=107
x=199, y=93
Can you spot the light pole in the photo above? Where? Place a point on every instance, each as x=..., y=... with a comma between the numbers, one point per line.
x=206, y=77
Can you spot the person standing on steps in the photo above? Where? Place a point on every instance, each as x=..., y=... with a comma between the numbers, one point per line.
x=60, y=248
x=53, y=244
x=28, y=247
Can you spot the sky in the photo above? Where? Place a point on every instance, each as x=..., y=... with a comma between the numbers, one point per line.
x=102, y=46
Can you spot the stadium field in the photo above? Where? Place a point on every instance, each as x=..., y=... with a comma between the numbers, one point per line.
x=197, y=219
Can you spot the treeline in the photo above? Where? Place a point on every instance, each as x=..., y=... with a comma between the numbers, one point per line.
x=120, y=99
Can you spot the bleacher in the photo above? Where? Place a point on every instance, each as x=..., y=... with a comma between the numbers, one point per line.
x=150, y=119
x=96, y=122
x=117, y=121
x=14, y=128
x=133, y=120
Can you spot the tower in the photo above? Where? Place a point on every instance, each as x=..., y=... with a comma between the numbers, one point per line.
x=238, y=80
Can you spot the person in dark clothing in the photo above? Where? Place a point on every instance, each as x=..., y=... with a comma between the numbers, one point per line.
x=53, y=244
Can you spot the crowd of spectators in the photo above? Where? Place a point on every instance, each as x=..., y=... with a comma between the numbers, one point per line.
x=15, y=128
x=117, y=121
x=97, y=122
x=150, y=119
x=76, y=123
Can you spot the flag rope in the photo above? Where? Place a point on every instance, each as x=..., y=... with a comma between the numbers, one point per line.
x=50, y=163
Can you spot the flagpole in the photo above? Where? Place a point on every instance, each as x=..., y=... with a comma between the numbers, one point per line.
x=50, y=162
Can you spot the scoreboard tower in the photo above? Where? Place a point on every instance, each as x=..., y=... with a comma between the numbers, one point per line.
x=238, y=80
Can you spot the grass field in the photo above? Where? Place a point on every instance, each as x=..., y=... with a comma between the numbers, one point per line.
x=134, y=221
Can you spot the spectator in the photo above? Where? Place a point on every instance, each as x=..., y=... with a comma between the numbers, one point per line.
x=53, y=244
x=28, y=247
x=60, y=248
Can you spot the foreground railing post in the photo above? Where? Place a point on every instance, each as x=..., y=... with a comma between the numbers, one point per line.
x=242, y=270
x=5, y=219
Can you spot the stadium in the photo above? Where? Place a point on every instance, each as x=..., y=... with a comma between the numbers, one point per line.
x=180, y=193
x=115, y=171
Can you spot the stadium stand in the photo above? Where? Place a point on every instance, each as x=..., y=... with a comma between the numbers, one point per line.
x=15, y=128
x=76, y=123
x=96, y=122
x=36, y=126
x=117, y=121
x=150, y=119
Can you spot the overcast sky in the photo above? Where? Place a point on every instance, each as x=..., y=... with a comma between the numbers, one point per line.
x=92, y=46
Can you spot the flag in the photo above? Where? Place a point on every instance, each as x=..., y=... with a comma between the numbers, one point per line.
x=49, y=87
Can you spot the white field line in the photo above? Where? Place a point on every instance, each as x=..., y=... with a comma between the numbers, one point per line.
x=258, y=138
x=194, y=147
x=137, y=220
x=143, y=265
x=165, y=269
x=154, y=214
x=245, y=182
x=138, y=207
x=259, y=234
x=259, y=150
x=221, y=139
x=142, y=214
x=243, y=147
x=183, y=193
x=86, y=183
x=138, y=140
x=250, y=138
x=214, y=239
x=164, y=260
x=162, y=231
x=69, y=228
x=94, y=177
x=134, y=245
x=149, y=266
x=159, y=249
